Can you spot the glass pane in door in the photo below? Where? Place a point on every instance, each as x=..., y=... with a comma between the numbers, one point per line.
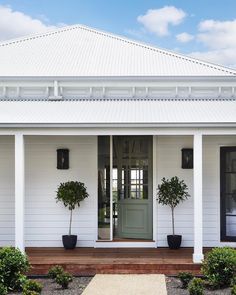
x=104, y=188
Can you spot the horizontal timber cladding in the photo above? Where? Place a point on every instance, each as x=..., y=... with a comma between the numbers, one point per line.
x=168, y=165
x=211, y=188
x=46, y=220
x=7, y=199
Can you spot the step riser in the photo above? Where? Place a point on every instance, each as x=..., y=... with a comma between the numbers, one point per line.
x=119, y=269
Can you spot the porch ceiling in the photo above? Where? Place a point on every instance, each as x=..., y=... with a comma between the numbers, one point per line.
x=118, y=112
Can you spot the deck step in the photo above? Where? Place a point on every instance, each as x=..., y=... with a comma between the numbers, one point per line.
x=92, y=269
x=91, y=261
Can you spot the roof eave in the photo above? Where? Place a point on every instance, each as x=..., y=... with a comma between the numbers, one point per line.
x=121, y=125
x=120, y=78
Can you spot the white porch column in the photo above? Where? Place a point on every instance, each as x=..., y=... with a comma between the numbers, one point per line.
x=19, y=191
x=197, y=194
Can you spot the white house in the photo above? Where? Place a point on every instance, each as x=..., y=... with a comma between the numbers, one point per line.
x=125, y=111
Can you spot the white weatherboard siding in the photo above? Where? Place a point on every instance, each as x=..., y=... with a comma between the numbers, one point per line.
x=211, y=188
x=168, y=165
x=7, y=199
x=46, y=220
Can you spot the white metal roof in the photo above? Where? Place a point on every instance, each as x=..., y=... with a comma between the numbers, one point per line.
x=84, y=52
x=118, y=112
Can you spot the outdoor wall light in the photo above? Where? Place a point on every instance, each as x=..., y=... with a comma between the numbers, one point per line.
x=62, y=159
x=187, y=158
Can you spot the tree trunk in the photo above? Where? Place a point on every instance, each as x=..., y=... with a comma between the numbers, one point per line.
x=173, y=221
x=70, y=222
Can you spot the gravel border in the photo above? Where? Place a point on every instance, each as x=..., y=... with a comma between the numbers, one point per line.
x=174, y=288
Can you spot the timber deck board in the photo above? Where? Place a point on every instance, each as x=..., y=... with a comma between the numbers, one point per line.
x=91, y=261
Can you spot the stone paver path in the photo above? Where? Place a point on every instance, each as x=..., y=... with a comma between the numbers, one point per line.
x=127, y=285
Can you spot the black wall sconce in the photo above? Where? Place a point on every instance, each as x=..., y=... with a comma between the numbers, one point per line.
x=63, y=159
x=187, y=158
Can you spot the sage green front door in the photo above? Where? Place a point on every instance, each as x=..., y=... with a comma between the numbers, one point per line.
x=132, y=162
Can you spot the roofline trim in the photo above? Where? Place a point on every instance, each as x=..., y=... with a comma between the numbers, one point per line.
x=119, y=78
x=118, y=125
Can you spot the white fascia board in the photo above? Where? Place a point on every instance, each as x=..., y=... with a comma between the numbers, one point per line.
x=119, y=125
x=115, y=131
x=119, y=78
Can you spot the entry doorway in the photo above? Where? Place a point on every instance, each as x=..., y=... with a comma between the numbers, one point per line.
x=125, y=188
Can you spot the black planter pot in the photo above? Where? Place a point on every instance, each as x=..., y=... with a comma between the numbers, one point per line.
x=174, y=241
x=69, y=242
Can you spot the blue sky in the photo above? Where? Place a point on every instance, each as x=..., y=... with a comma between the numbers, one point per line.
x=204, y=29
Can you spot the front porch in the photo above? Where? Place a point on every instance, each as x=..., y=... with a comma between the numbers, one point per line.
x=31, y=219
x=91, y=261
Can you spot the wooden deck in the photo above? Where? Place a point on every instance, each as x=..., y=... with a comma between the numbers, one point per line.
x=91, y=261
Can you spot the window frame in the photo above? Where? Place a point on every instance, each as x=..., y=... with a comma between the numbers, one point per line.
x=223, y=236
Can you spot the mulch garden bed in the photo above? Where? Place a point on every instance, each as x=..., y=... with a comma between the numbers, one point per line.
x=174, y=288
x=80, y=283
x=75, y=288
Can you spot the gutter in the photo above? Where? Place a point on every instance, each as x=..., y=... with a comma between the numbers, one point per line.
x=118, y=125
x=119, y=78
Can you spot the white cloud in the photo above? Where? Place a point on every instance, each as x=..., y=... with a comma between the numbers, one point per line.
x=157, y=21
x=184, y=37
x=217, y=34
x=219, y=39
x=215, y=38
x=15, y=24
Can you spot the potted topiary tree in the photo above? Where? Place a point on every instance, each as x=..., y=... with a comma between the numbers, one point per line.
x=171, y=192
x=71, y=193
